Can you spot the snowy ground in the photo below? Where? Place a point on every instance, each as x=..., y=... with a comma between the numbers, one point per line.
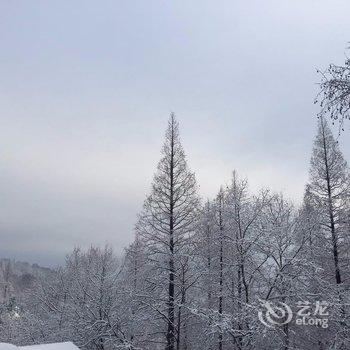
x=4, y=346
x=56, y=346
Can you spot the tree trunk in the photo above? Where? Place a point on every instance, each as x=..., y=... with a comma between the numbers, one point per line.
x=171, y=288
x=331, y=213
x=221, y=277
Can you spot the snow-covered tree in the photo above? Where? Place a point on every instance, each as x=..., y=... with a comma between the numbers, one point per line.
x=329, y=186
x=166, y=225
x=334, y=95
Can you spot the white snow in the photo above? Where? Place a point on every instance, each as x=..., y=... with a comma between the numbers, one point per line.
x=53, y=346
x=4, y=346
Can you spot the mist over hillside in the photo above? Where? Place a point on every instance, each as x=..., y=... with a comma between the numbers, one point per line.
x=17, y=277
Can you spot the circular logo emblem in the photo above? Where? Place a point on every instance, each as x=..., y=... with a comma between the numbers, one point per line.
x=271, y=315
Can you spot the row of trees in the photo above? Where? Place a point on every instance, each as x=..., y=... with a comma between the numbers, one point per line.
x=195, y=274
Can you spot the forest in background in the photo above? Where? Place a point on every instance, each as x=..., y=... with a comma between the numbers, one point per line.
x=197, y=271
x=233, y=272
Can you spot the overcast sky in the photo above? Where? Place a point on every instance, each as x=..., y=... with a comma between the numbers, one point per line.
x=86, y=88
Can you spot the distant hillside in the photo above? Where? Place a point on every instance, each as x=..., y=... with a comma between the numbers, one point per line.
x=17, y=276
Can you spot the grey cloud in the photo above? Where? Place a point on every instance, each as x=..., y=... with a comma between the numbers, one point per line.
x=86, y=90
